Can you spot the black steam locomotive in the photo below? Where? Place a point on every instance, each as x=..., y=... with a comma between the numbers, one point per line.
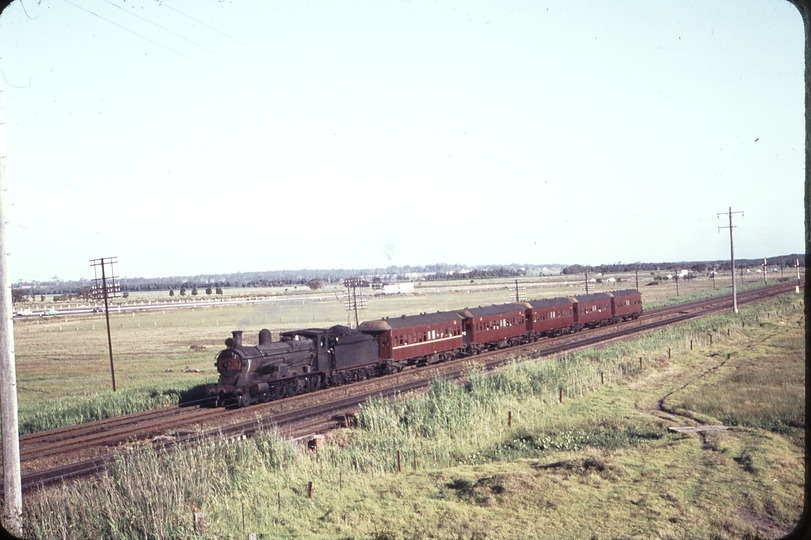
x=302, y=361
x=306, y=360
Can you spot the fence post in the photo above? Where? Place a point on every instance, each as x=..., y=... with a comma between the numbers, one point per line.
x=198, y=520
x=509, y=418
x=309, y=490
x=560, y=394
x=398, y=461
x=602, y=378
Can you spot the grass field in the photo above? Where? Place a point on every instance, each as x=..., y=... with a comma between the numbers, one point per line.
x=162, y=357
x=500, y=457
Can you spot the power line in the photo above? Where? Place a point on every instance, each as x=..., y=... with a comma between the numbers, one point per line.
x=329, y=84
x=267, y=93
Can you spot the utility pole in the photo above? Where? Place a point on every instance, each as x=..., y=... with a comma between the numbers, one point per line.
x=637, y=278
x=519, y=291
x=12, y=484
x=353, y=300
x=587, y=280
x=797, y=265
x=106, y=291
x=677, y=283
x=732, y=257
x=765, y=277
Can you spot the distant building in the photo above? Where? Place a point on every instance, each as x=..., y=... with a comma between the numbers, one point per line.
x=397, y=288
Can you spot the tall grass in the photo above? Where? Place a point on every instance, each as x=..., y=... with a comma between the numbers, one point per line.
x=73, y=410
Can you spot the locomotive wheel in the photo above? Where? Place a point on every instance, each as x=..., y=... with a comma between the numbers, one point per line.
x=278, y=391
x=245, y=400
x=313, y=383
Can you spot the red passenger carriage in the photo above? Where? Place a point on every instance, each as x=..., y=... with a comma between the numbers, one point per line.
x=425, y=338
x=492, y=327
x=549, y=317
x=593, y=310
x=627, y=304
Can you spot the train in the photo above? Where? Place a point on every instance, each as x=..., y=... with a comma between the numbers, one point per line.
x=310, y=359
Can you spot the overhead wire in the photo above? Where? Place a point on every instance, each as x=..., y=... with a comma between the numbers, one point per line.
x=253, y=87
x=334, y=87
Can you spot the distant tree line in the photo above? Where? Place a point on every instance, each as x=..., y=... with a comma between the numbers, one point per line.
x=786, y=261
x=476, y=273
x=314, y=279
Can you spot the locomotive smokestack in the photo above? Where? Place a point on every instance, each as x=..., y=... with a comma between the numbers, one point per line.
x=265, y=337
x=237, y=338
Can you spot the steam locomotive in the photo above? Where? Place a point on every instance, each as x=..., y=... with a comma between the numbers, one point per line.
x=306, y=360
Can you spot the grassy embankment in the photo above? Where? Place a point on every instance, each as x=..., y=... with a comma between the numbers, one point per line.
x=601, y=464
x=163, y=357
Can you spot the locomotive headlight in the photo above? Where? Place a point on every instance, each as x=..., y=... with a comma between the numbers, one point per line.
x=229, y=364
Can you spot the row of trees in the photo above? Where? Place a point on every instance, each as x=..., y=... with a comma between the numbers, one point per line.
x=784, y=261
x=21, y=295
x=316, y=279
x=476, y=273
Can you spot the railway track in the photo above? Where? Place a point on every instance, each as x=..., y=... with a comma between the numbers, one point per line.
x=84, y=450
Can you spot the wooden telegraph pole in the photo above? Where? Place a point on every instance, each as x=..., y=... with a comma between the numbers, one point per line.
x=106, y=287
x=797, y=265
x=12, y=484
x=732, y=257
x=354, y=302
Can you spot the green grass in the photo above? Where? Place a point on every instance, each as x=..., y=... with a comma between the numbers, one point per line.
x=598, y=465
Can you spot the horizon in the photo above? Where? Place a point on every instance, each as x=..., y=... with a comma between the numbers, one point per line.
x=560, y=266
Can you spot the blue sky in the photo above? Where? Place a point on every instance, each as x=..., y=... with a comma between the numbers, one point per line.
x=201, y=137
